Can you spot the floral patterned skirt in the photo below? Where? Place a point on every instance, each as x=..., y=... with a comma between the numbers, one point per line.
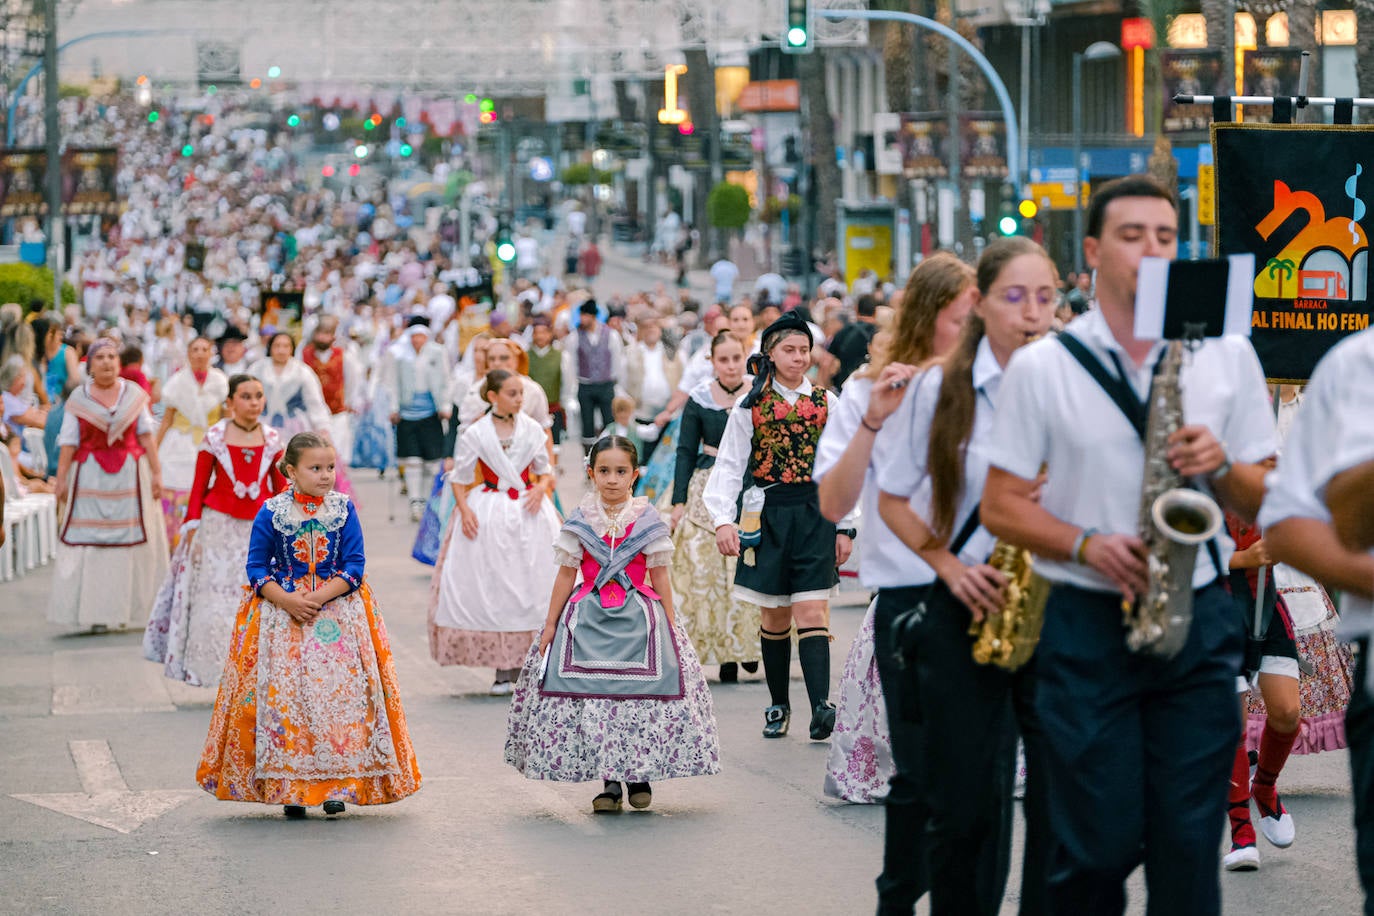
x=193, y=617
x=174, y=503
x=309, y=714
x=1323, y=695
x=860, y=761
x=584, y=739
x=723, y=628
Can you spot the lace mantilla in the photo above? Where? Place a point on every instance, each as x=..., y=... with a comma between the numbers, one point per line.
x=215, y=445
x=596, y=516
x=287, y=515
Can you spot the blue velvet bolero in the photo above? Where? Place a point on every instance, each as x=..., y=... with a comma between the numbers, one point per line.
x=290, y=544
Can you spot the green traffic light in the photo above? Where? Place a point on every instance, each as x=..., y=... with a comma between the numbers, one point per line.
x=360, y=151
x=153, y=116
x=1007, y=225
x=488, y=105
x=368, y=125
x=470, y=98
x=293, y=121
x=400, y=122
x=273, y=72
x=407, y=149
x=187, y=150
x=796, y=37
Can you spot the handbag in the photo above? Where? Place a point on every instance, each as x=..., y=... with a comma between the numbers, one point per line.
x=906, y=627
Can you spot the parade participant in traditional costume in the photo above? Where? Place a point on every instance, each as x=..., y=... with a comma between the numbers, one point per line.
x=496, y=568
x=192, y=400
x=613, y=689
x=309, y=710
x=415, y=374
x=593, y=360
x=723, y=629
x=112, y=551
x=341, y=378
x=233, y=352
x=930, y=468
x=865, y=754
x=1319, y=491
x=236, y=472
x=1138, y=748
x=792, y=571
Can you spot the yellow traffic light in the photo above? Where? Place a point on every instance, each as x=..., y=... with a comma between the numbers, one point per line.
x=1027, y=208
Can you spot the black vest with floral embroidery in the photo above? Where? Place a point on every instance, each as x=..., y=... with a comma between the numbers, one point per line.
x=786, y=435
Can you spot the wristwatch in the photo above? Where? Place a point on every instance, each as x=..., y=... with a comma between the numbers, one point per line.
x=850, y=533
x=1225, y=467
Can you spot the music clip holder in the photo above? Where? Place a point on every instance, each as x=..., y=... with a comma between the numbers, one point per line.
x=1192, y=300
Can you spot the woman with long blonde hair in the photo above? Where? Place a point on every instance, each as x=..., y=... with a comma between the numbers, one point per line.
x=873, y=738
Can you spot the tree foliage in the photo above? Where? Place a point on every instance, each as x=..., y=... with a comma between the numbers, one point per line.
x=727, y=206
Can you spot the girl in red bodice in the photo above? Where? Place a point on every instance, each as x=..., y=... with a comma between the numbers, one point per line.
x=236, y=471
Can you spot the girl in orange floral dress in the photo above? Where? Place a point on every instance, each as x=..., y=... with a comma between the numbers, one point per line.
x=308, y=712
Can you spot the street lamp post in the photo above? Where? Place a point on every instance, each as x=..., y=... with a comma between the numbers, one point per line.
x=1098, y=50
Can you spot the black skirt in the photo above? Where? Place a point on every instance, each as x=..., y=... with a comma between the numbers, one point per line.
x=797, y=552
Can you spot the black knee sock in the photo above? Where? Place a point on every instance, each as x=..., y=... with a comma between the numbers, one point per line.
x=776, y=650
x=813, y=651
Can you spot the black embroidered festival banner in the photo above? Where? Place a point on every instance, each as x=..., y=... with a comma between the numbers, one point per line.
x=1297, y=197
x=88, y=181
x=22, y=172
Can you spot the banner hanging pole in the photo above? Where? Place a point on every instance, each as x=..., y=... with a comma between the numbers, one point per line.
x=1266, y=100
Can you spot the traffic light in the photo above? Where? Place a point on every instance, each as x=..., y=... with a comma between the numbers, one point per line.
x=153, y=116
x=355, y=170
x=327, y=171
x=406, y=149
x=188, y=150
x=505, y=248
x=360, y=151
x=293, y=121
x=1007, y=221
x=796, y=35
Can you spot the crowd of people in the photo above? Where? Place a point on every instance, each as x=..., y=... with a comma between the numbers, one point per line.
x=198, y=429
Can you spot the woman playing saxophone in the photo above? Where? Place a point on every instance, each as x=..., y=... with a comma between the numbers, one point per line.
x=930, y=461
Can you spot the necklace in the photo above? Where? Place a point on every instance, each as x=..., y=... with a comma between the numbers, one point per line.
x=503, y=417
x=730, y=390
x=247, y=429
x=615, y=526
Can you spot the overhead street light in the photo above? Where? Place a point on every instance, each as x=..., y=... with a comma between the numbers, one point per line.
x=1098, y=50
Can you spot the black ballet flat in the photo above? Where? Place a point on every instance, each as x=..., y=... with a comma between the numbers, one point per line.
x=293, y=812
x=729, y=673
x=750, y=667
x=609, y=801
x=333, y=807
x=776, y=720
x=822, y=721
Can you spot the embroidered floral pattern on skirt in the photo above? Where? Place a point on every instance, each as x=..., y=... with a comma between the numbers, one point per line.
x=860, y=762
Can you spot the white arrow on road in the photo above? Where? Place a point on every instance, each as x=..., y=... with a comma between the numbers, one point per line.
x=106, y=800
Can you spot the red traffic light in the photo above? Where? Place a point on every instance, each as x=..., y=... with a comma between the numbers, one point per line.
x=327, y=171
x=686, y=128
x=355, y=170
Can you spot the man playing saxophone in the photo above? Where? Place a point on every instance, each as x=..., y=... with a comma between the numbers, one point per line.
x=1139, y=745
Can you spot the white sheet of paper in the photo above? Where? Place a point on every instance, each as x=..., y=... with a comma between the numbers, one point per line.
x=1152, y=282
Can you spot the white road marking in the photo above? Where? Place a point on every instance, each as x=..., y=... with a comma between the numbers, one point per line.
x=106, y=800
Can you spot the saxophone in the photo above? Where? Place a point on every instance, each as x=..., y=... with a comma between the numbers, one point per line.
x=1174, y=521
x=1007, y=639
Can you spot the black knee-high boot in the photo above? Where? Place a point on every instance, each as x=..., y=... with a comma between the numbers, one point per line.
x=813, y=651
x=776, y=651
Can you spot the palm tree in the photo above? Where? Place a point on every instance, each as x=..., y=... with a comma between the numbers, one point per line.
x=1279, y=268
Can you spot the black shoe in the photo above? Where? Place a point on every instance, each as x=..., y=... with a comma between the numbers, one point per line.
x=822, y=721
x=750, y=667
x=776, y=719
x=729, y=673
x=608, y=802
x=294, y=812
x=333, y=807
x=641, y=796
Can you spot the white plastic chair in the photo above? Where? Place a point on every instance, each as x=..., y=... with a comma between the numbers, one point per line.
x=30, y=523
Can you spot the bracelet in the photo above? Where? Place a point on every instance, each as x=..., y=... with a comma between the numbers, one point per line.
x=850, y=533
x=863, y=421
x=1080, y=545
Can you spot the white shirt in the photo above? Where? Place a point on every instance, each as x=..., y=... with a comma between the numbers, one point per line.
x=1332, y=433
x=654, y=390
x=899, y=455
x=697, y=370
x=884, y=561
x=440, y=309
x=732, y=459
x=1051, y=411
x=724, y=273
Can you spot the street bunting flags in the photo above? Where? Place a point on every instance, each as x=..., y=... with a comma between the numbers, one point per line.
x=1297, y=196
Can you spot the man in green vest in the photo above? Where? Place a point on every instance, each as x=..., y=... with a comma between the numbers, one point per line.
x=546, y=368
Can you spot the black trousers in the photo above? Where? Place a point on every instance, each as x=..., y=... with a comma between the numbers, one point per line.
x=904, y=878
x=970, y=715
x=1359, y=735
x=594, y=396
x=1139, y=753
